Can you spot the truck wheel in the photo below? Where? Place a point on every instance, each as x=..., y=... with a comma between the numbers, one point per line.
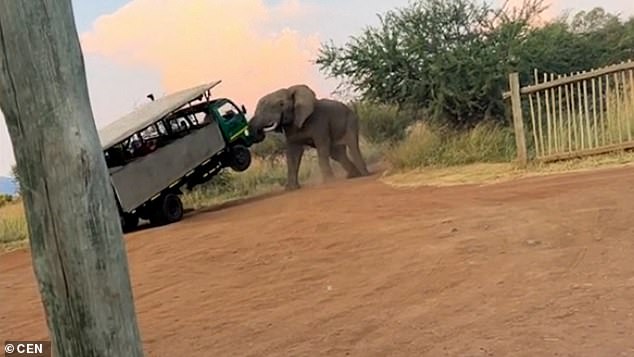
x=167, y=209
x=240, y=158
x=129, y=222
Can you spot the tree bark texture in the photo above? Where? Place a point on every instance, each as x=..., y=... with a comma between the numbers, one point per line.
x=76, y=241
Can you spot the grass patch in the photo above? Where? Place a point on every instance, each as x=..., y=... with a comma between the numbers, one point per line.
x=264, y=175
x=435, y=146
x=490, y=173
x=13, y=228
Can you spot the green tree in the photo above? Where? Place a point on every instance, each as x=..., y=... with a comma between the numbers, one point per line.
x=452, y=57
x=448, y=56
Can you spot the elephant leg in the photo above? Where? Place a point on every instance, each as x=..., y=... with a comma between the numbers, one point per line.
x=323, y=155
x=294, y=154
x=338, y=153
x=355, y=152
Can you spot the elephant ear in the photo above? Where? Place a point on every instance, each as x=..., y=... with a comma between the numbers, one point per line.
x=303, y=103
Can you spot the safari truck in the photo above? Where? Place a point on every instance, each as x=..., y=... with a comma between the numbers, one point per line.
x=180, y=140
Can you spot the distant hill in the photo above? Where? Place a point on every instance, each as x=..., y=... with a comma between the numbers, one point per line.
x=7, y=186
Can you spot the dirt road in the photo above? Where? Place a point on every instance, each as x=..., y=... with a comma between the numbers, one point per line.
x=535, y=267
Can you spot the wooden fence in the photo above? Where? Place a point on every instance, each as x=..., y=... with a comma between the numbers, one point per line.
x=573, y=115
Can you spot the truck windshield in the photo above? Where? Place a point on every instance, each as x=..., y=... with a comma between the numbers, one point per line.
x=228, y=110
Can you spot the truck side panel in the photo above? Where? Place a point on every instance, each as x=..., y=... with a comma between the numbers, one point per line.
x=140, y=180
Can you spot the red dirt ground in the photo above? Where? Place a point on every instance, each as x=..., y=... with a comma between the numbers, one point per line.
x=535, y=267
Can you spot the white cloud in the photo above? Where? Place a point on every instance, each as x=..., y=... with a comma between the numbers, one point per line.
x=193, y=41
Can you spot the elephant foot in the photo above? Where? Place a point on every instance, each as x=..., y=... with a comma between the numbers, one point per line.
x=292, y=187
x=365, y=173
x=357, y=174
x=328, y=179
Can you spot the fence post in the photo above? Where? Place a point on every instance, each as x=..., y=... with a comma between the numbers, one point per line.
x=518, y=120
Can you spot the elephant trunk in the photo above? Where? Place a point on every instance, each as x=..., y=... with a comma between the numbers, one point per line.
x=255, y=131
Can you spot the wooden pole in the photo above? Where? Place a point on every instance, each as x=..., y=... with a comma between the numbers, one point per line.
x=604, y=121
x=626, y=107
x=582, y=119
x=570, y=117
x=539, y=114
x=594, y=112
x=549, y=120
x=553, y=108
x=617, y=107
x=77, y=249
x=586, y=115
x=538, y=150
x=608, y=112
x=518, y=121
x=560, y=113
x=630, y=87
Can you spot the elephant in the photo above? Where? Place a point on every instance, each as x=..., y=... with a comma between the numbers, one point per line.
x=327, y=125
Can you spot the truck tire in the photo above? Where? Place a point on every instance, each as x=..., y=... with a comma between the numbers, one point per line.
x=129, y=222
x=167, y=209
x=239, y=158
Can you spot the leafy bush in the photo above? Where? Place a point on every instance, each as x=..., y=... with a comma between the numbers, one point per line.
x=383, y=123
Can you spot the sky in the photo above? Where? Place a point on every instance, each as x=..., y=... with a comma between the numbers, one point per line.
x=135, y=47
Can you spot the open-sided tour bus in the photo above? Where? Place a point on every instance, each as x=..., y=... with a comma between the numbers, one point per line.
x=184, y=138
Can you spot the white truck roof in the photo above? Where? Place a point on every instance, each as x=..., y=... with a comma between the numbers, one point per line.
x=148, y=113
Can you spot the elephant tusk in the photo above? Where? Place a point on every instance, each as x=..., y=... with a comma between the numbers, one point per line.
x=270, y=127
